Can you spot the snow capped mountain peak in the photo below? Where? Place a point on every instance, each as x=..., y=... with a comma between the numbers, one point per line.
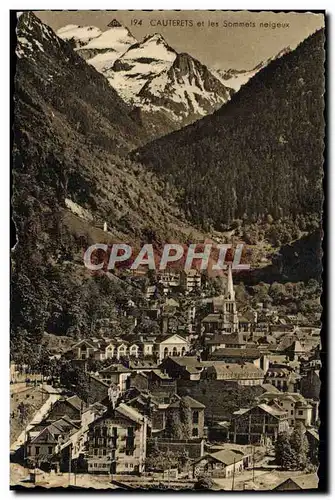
x=153, y=47
x=80, y=35
x=99, y=48
x=140, y=63
x=187, y=90
x=34, y=37
x=149, y=74
x=155, y=38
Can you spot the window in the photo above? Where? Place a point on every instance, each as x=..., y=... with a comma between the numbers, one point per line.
x=95, y=452
x=195, y=417
x=126, y=465
x=104, y=452
x=300, y=412
x=195, y=432
x=131, y=466
x=130, y=431
x=29, y=450
x=50, y=450
x=292, y=412
x=129, y=452
x=37, y=450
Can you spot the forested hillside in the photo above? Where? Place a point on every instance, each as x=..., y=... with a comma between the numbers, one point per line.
x=261, y=153
x=70, y=128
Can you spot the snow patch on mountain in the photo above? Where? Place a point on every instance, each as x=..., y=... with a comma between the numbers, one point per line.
x=187, y=88
x=141, y=62
x=118, y=39
x=234, y=78
x=99, y=48
x=81, y=35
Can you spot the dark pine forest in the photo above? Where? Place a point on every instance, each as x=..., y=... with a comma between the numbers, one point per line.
x=260, y=154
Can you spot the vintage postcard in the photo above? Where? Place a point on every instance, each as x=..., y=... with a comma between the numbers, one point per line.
x=167, y=277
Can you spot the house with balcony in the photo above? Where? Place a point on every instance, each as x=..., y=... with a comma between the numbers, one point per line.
x=260, y=424
x=117, y=442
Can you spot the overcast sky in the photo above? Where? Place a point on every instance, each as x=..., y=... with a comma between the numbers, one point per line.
x=221, y=46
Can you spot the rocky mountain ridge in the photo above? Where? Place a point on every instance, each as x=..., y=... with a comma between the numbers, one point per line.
x=152, y=76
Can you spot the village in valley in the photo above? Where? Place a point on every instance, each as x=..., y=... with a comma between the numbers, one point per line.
x=202, y=392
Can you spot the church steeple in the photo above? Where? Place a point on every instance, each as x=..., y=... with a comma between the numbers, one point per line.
x=229, y=305
x=230, y=295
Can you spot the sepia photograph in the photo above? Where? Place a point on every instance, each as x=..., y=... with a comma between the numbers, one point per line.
x=167, y=328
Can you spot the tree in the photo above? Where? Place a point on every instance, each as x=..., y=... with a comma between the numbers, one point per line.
x=283, y=451
x=174, y=427
x=179, y=421
x=162, y=460
x=23, y=412
x=291, y=449
x=185, y=418
x=204, y=483
x=75, y=380
x=277, y=292
x=300, y=446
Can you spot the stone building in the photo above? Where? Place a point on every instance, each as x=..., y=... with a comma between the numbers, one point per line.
x=117, y=442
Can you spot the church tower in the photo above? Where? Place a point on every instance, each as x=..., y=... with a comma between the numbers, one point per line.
x=230, y=318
